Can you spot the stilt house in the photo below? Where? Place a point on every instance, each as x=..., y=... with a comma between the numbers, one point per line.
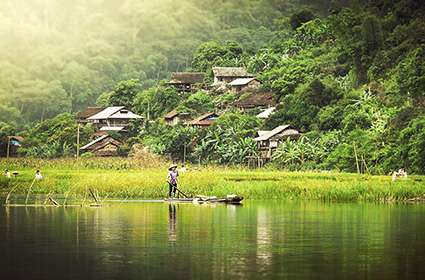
x=186, y=81
x=268, y=141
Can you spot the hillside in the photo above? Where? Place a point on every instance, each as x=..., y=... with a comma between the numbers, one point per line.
x=349, y=75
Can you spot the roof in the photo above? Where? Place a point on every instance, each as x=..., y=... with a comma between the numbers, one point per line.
x=100, y=143
x=106, y=113
x=94, y=142
x=115, y=112
x=174, y=114
x=111, y=128
x=204, y=120
x=171, y=114
x=186, y=78
x=256, y=99
x=278, y=130
x=242, y=81
x=125, y=114
x=230, y=72
x=16, y=138
x=266, y=113
x=90, y=111
x=262, y=132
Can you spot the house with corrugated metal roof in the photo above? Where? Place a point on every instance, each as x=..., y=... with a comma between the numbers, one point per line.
x=115, y=118
x=241, y=84
x=268, y=140
x=88, y=112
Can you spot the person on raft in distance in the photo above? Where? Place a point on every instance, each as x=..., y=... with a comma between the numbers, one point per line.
x=172, y=180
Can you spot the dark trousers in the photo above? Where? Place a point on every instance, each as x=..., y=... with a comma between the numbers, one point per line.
x=172, y=188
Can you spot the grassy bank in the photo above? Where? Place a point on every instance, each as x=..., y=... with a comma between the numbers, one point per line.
x=123, y=178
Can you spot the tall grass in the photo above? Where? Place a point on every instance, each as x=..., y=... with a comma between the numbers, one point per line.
x=123, y=178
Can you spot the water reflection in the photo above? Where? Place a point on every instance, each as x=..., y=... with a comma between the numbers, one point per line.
x=264, y=241
x=172, y=221
x=294, y=240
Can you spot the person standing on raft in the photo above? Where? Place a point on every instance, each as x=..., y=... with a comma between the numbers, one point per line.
x=172, y=179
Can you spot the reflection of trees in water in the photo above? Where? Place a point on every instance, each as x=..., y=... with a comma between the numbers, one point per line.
x=264, y=241
x=172, y=235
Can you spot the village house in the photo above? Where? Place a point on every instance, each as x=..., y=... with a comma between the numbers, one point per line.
x=174, y=117
x=255, y=100
x=115, y=119
x=10, y=145
x=225, y=75
x=186, y=81
x=90, y=111
x=103, y=146
x=241, y=84
x=205, y=120
x=268, y=141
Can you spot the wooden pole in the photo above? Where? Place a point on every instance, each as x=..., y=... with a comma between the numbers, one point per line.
x=365, y=165
x=357, y=158
x=29, y=191
x=8, y=148
x=78, y=140
x=184, y=154
x=147, y=114
x=93, y=195
x=7, y=152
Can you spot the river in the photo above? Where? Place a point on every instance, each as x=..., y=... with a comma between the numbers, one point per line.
x=260, y=239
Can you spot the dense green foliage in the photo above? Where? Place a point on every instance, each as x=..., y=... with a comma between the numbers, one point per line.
x=350, y=75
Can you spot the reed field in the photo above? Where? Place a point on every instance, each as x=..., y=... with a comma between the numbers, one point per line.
x=132, y=179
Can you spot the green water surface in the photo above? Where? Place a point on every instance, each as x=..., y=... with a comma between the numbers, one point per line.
x=258, y=240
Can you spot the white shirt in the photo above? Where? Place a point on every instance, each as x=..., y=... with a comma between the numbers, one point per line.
x=38, y=176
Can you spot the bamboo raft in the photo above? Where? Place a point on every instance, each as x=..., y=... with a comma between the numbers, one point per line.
x=230, y=199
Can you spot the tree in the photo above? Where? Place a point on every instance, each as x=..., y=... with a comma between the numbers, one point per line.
x=124, y=93
x=298, y=18
x=372, y=35
x=156, y=101
x=213, y=53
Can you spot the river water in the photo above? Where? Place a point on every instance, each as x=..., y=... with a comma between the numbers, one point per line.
x=260, y=239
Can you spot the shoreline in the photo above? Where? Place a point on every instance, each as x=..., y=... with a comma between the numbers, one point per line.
x=258, y=184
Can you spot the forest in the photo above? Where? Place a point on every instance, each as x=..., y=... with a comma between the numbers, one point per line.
x=349, y=75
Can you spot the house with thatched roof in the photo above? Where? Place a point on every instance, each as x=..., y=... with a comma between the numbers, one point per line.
x=255, y=100
x=174, y=117
x=103, y=146
x=205, y=120
x=241, y=84
x=268, y=141
x=186, y=81
x=225, y=75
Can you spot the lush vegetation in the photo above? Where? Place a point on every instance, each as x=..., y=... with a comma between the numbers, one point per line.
x=123, y=178
x=348, y=74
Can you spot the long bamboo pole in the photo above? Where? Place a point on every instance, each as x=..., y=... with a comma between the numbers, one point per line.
x=357, y=158
x=78, y=140
x=29, y=191
x=8, y=152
